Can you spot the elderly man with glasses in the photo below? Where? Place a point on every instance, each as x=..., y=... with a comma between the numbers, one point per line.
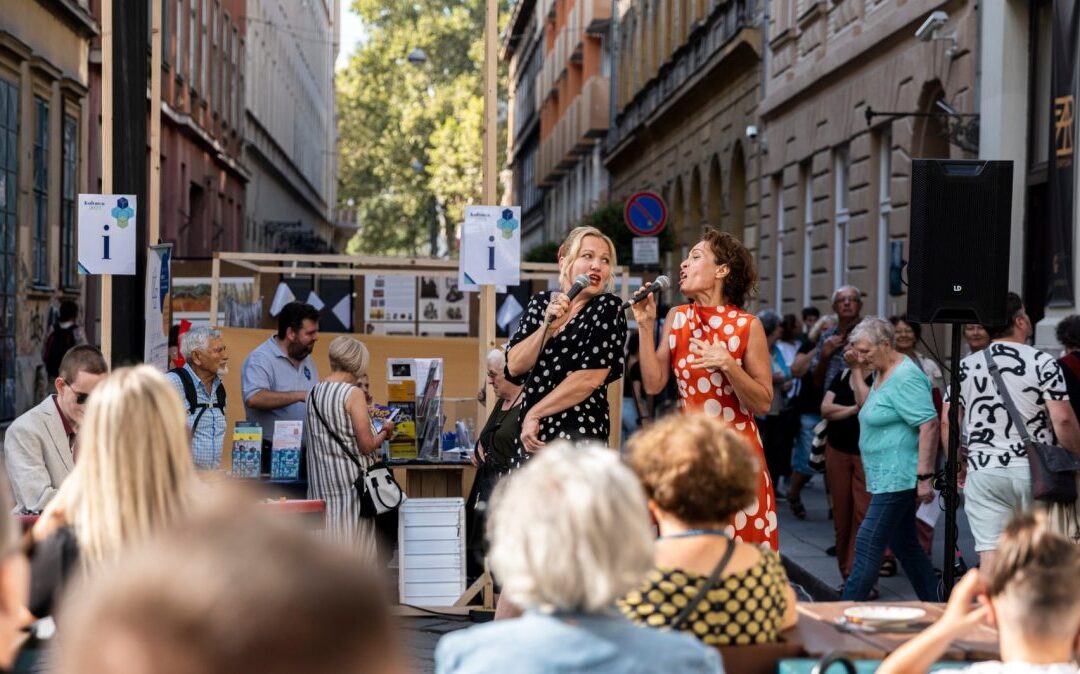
x=828, y=361
x=39, y=447
x=200, y=387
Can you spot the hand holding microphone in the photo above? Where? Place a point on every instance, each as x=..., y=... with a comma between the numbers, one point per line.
x=645, y=308
x=559, y=307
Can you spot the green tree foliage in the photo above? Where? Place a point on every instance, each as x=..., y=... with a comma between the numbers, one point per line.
x=609, y=220
x=410, y=134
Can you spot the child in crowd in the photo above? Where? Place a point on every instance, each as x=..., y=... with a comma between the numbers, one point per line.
x=1032, y=596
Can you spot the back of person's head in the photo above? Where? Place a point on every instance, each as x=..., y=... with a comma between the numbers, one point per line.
x=695, y=469
x=1068, y=332
x=1014, y=305
x=1034, y=582
x=770, y=321
x=293, y=316
x=236, y=589
x=810, y=315
x=134, y=471
x=69, y=311
x=348, y=354
x=826, y=322
x=82, y=358
x=789, y=328
x=570, y=530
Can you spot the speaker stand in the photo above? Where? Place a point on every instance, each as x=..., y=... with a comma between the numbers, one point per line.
x=950, y=490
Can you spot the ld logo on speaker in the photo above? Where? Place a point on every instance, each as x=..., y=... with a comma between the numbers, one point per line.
x=957, y=288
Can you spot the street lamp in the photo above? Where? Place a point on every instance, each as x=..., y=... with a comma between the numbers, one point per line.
x=417, y=57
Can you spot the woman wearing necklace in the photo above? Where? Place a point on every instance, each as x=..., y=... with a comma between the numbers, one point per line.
x=698, y=478
x=720, y=358
x=898, y=440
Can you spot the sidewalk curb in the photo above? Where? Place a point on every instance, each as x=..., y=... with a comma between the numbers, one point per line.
x=818, y=589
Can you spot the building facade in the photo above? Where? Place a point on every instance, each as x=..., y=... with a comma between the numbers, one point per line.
x=686, y=91
x=44, y=123
x=573, y=91
x=523, y=48
x=836, y=183
x=290, y=136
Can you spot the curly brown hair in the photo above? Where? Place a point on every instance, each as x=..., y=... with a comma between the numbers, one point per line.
x=695, y=468
x=741, y=282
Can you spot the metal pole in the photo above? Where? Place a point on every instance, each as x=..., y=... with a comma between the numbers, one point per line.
x=490, y=171
x=107, y=60
x=951, y=493
x=154, y=188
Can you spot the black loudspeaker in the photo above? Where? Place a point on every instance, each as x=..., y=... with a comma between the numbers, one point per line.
x=960, y=216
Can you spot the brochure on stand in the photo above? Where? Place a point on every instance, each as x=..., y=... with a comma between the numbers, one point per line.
x=285, y=450
x=247, y=449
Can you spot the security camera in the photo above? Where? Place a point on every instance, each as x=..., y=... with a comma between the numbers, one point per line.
x=751, y=132
x=928, y=30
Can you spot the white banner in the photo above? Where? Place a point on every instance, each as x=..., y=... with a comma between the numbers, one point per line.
x=107, y=226
x=158, y=282
x=490, y=247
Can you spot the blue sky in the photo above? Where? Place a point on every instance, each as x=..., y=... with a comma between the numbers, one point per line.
x=352, y=31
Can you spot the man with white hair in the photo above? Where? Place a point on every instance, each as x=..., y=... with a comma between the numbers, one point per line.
x=200, y=387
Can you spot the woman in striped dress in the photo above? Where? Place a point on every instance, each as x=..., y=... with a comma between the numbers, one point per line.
x=341, y=443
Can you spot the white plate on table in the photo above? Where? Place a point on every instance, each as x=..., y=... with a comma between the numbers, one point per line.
x=883, y=615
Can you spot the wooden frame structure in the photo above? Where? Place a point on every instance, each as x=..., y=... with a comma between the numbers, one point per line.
x=352, y=265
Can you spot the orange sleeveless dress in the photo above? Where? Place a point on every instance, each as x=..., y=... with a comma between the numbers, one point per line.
x=708, y=392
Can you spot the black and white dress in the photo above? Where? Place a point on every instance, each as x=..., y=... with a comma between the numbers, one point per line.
x=1032, y=377
x=330, y=473
x=592, y=340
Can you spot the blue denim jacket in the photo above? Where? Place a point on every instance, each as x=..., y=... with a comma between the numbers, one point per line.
x=540, y=643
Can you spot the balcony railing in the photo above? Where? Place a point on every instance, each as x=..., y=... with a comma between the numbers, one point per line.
x=707, y=40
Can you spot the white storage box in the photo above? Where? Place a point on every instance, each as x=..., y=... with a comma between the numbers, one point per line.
x=431, y=551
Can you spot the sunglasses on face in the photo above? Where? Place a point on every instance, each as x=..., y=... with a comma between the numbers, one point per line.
x=80, y=398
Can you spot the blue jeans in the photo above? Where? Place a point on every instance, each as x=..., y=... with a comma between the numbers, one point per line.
x=800, y=455
x=890, y=522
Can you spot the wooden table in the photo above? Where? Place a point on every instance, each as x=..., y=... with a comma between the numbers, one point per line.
x=818, y=634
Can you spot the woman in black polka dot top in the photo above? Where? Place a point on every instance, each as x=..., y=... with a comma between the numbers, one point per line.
x=578, y=354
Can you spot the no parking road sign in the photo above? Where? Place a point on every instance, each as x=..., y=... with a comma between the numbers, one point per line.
x=645, y=214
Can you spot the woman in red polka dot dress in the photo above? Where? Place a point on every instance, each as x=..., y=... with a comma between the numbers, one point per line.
x=720, y=359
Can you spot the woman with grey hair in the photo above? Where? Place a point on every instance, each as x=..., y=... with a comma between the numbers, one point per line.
x=569, y=535
x=898, y=439
x=775, y=425
x=342, y=443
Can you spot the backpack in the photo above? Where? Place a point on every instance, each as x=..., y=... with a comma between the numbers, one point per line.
x=192, y=397
x=57, y=344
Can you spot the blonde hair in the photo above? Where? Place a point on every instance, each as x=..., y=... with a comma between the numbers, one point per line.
x=570, y=248
x=695, y=468
x=230, y=588
x=570, y=531
x=134, y=472
x=348, y=354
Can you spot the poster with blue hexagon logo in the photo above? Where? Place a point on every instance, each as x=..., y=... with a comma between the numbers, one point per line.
x=107, y=226
x=490, y=247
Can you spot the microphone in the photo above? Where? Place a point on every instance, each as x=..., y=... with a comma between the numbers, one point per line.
x=580, y=283
x=661, y=283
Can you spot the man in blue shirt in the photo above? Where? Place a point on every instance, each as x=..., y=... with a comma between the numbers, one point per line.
x=278, y=374
x=200, y=387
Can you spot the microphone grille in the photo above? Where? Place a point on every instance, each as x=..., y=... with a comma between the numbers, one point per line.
x=582, y=280
x=663, y=281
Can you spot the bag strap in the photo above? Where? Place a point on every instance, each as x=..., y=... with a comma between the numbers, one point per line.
x=710, y=583
x=1014, y=414
x=191, y=397
x=335, y=436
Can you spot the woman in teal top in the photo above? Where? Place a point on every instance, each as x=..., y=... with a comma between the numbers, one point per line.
x=898, y=440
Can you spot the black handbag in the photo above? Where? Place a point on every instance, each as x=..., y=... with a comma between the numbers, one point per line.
x=1053, y=468
x=378, y=490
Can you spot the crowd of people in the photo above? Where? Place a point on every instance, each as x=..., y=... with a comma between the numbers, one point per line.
x=655, y=558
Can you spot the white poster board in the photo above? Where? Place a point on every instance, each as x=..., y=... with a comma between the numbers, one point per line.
x=490, y=247
x=158, y=272
x=107, y=226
